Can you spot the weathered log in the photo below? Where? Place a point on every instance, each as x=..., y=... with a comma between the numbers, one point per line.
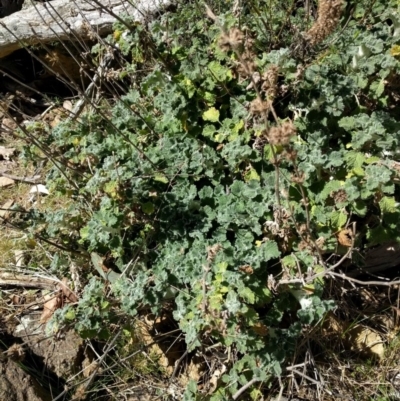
x=379, y=259
x=19, y=280
x=68, y=20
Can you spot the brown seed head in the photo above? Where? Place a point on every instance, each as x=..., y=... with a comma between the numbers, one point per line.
x=212, y=251
x=236, y=40
x=298, y=178
x=290, y=154
x=281, y=134
x=270, y=80
x=259, y=107
x=339, y=196
x=247, y=66
x=233, y=40
x=329, y=12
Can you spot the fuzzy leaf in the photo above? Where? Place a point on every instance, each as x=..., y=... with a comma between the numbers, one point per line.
x=212, y=115
x=388, y=205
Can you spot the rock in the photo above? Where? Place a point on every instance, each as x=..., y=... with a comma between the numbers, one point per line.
x=62, y=356
x=17, y=385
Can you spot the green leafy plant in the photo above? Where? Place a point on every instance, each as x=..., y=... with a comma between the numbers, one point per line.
x=228, y=175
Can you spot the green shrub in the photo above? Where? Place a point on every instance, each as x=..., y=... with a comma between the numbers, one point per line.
x=248, y=142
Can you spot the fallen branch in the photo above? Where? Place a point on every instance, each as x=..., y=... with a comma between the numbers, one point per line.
x=29, y=180
x=304, y=376
x=61, y=20
x=20, y=280
x=373, y=282
x=245, y=387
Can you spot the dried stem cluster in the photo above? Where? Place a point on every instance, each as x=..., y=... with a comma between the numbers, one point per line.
x=329, y=13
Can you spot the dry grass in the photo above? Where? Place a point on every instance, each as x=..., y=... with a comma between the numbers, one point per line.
x=354, y=353
x=12, y=235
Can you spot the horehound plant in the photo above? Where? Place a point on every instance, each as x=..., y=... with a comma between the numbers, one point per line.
x=187, y=179
x=265, y=87
x=279, y=135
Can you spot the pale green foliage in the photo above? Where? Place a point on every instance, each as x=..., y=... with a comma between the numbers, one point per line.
x=174, y=174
